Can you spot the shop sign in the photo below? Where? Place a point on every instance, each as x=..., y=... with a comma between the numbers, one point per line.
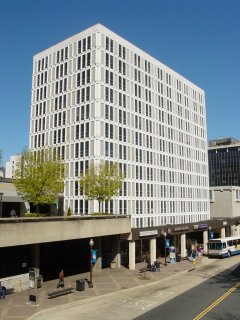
x=167, y=245
x=202, y=226
x=172, y=254
x=180, y=229
x=94, y=256
x=148, y=233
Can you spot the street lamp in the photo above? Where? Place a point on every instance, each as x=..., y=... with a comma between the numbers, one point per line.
x=165, y=245
x=1, y=194
x=91, y=244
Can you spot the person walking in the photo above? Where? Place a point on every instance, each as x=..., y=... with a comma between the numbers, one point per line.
x=61, y=279
x=194, y=257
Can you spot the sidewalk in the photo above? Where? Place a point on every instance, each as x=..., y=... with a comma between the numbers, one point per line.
x=17, y=306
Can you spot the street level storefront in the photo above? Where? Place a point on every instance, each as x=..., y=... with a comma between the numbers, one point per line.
x=155, y=242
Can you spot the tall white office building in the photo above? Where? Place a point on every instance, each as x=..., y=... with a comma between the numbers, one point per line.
x=95, y=96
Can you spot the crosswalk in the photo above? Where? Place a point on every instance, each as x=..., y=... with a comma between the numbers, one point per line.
x=149, y=300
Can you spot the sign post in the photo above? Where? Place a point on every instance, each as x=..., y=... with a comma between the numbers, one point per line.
x=172, y=255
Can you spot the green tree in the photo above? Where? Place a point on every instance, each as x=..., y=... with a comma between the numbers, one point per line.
x=102, y=182
x=39, y=177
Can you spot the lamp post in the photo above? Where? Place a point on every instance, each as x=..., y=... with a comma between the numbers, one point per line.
x=91, y=244
x=1, y=194
x=165, y=244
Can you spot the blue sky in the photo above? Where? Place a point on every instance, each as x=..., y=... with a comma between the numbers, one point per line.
x=198, y=39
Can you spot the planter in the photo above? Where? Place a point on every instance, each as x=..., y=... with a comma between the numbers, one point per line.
x=113, y=265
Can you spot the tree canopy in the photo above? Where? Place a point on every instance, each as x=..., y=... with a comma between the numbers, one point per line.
x=39, y=177
x=102, y=182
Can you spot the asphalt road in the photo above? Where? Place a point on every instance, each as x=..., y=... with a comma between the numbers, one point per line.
x=217, y=298
x=183, y=296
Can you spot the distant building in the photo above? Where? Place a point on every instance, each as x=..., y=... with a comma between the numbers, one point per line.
x=10, y=199
x=11, y=166
x=224, y=177
x=224, y=162
x=2, y=172
x=97, y=97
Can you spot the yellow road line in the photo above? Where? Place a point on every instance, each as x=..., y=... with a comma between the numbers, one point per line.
x=215, y=303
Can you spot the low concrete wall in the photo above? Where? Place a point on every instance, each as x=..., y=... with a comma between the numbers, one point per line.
x=22, y=231
x=19, y=282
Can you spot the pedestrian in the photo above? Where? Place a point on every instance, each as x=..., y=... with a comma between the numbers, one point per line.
x=194, y=257
x=61, y=279
x=2, y=291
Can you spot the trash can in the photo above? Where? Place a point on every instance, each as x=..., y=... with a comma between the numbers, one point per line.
x=39, y=281
x=178, y=257
x=80, y=285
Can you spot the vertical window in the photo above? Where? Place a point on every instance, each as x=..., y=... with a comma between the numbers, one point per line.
x=89, y=43
x=87, y=148
x=106, y=149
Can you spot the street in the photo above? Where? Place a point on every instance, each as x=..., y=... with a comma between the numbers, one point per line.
x=181, y=297
x=216, y=298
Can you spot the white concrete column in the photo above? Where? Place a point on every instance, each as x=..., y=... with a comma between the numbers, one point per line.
x=153, y=250
x=131, y=255
x=233, y=230
x=205, y=240
x=183, y=245
x=223, y=232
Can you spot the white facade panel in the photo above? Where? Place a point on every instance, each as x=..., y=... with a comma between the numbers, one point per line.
x=111, y=101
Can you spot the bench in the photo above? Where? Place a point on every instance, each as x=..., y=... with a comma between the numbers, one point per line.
x=59, y=293
x=151, y=267
x=9, y=291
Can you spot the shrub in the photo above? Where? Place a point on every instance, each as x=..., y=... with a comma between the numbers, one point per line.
x=100, y=213
x=69, y=212
x=35, y=215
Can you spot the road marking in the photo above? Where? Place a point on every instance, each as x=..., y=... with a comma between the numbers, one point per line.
x=150, y=300
x=215, y=303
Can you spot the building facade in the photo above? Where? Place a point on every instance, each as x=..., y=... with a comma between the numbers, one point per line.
x=225, y=202
x=11, y=166
x=224, y=162
x=97, y=97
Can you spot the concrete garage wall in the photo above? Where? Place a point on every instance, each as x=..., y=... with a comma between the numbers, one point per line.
x=23, y=231
x=224, y=203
